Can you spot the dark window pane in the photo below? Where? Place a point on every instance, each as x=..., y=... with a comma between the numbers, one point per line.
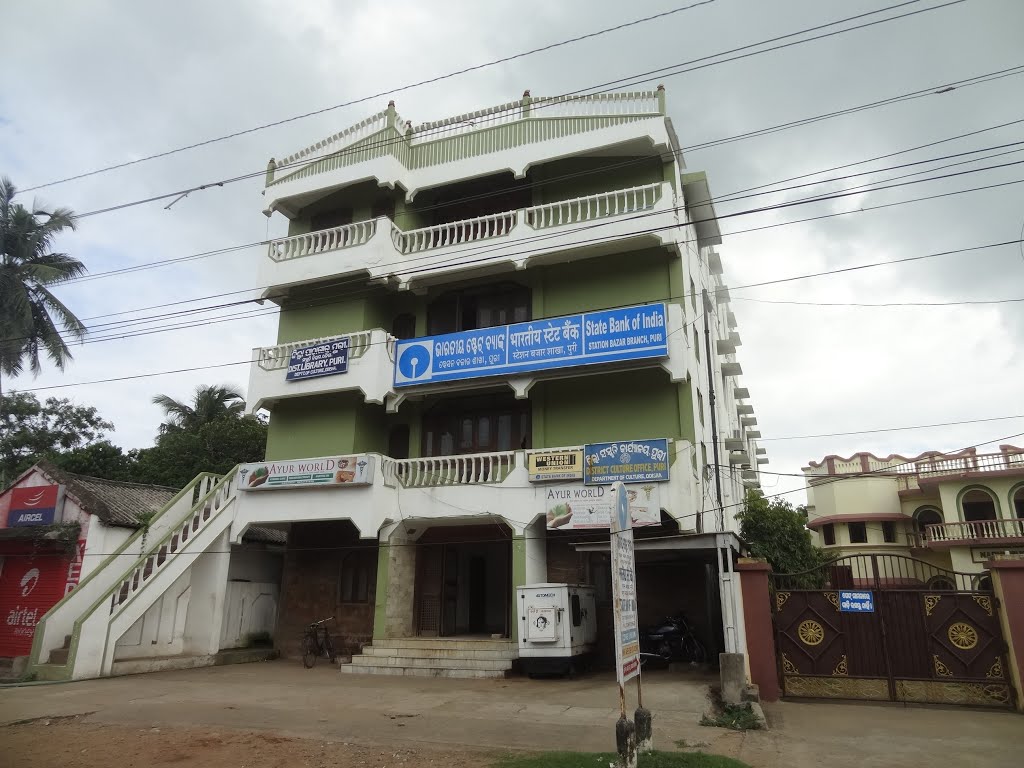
x=483, y=435
x=828, y=534
x=888, y=531
x=858, y=533
x=577, y=613
x=505, y=432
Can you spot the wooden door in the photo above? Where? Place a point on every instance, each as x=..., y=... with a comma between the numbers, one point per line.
x=429, y=588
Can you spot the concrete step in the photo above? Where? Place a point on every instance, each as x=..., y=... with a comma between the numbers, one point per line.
x=67, y=641
x=59, y=655
x=443, y=643
x=352, y=669
x=429, y=663
x=441, y=653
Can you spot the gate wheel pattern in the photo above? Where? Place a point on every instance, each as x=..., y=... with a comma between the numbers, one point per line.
x=962, y=635
x=811, y=632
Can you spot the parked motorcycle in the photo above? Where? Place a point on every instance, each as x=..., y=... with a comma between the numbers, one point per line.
x=671, y=639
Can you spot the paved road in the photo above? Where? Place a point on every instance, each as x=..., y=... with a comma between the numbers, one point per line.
x=521, y=714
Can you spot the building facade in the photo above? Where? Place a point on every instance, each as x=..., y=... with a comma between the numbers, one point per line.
x=484, y=321
x=955, y=511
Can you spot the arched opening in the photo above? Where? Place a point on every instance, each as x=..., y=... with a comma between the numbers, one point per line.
x=941, y=583
x=978, y=506
x=1018, y=503
x=983, y=583
x=924, y=517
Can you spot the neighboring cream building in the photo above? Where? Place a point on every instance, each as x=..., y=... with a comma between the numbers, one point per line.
x=953, y=510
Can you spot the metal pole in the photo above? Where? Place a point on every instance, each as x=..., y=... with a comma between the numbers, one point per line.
x=711, y=401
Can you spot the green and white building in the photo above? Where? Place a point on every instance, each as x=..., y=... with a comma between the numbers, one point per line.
x=484, y=320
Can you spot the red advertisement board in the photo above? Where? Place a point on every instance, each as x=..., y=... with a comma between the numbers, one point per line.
x=35, y=505
x=31, y=583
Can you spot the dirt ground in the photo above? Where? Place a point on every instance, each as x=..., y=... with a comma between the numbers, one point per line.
x=67, y=741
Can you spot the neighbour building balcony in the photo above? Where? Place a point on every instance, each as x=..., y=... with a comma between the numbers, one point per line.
x=978, y=532
x=507, y=137
x=582, y=227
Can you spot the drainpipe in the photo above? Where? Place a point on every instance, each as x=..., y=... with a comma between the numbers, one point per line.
x=711, y=400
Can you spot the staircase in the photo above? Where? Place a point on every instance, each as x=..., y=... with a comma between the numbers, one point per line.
x=98, y=611
x=436, y=657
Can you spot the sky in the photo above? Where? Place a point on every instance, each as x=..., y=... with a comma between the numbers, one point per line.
x=100, y=83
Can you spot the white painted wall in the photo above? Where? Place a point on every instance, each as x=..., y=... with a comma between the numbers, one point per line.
x=249, y=607
x=161, y=630
x=255, y=563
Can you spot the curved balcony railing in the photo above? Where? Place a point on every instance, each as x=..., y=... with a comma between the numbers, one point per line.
x=322, y=241
x=454, y=233
x=468, y=469
x=276, y=358
x=591, y=207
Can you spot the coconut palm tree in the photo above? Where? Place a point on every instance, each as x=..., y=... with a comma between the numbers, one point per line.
x=31, y=317
x=209, y=403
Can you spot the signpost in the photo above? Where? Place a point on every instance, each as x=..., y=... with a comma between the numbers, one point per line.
x=324, y=359
x=608, y=336
x=856, y=602
x=324, y=471
x=631, y=461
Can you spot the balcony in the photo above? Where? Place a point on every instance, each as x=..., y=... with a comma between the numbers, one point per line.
x=369, y=370
x=466, y=487
x=582, y=227
x=512, y=136
x=977, y=533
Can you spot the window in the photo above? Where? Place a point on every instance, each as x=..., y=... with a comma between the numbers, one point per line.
x=696, y=344
x=1018, y=503
x=700, y=407
x=693, y=295
x=476, y=425
x=978, y=506
x=468, y=309
x=888, y=531
x=404, y=326
x=858, y=533
x=828, y=534
x=358, y=576
x=330, y=219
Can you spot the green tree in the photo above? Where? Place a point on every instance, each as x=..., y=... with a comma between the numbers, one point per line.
x=99, y=459
x=774, y=529
x=217, y=446
x=31, y=317
x=31, y=430
x=209, y=404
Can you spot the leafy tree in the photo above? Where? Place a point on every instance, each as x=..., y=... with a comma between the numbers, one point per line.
x=30, y=430
x=99, y=459
x=775, y=531
x=217, y=446
x=209, y=403
x=31, y=317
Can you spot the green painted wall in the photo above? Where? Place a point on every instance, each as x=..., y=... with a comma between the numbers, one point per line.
x=563, y=289
x=325, y=424
x=613, y=406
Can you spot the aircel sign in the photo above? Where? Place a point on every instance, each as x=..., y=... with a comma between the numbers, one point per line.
x=37, y=505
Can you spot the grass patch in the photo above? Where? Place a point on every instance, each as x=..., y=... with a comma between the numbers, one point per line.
x=736, y=717
x=604, y=759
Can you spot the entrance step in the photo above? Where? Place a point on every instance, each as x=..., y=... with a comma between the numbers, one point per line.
x=479, y=674
x=430, y=662
x=378, y=652
x=436, y=657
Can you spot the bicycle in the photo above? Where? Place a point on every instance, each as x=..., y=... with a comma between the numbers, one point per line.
x=316, y=642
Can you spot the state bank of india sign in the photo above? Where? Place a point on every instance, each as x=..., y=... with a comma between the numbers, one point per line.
x=297, y=473
x=608, y=336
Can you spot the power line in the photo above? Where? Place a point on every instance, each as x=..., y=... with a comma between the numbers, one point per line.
x=963, y=302
x=892, y=429
x=860, y=162
x=362, y=99
x=685, y=295
x=661, y=73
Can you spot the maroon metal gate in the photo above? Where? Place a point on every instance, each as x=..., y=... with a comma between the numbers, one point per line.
x=932, y=636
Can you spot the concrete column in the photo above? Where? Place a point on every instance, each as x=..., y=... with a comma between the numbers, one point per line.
x=207, y=591
x=1008, y=583
x=519, y=569
x=757, y=614
x=400, y=599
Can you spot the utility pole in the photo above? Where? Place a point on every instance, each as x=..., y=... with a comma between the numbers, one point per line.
x=708, y=308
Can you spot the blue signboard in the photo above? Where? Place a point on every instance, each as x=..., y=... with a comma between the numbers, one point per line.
x=324, y=359
x=608, y=336
x=31, y=517
x=631, y=461
x=856, y=602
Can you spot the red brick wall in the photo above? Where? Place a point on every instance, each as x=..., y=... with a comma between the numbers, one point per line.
x=310, y=587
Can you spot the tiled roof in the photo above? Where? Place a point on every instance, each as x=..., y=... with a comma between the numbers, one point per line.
x=112, y=501
x=266, y=535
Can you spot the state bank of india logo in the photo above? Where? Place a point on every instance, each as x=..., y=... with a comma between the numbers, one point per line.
x=414, y=362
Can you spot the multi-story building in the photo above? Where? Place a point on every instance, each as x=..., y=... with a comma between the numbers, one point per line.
x=954, y=511
x=485, y=320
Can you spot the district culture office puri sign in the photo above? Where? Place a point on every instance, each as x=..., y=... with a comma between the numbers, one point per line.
x=608, y=336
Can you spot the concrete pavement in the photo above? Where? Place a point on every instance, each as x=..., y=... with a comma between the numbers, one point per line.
x=521, y=714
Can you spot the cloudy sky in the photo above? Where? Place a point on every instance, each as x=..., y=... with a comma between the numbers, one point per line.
x=98, y=83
